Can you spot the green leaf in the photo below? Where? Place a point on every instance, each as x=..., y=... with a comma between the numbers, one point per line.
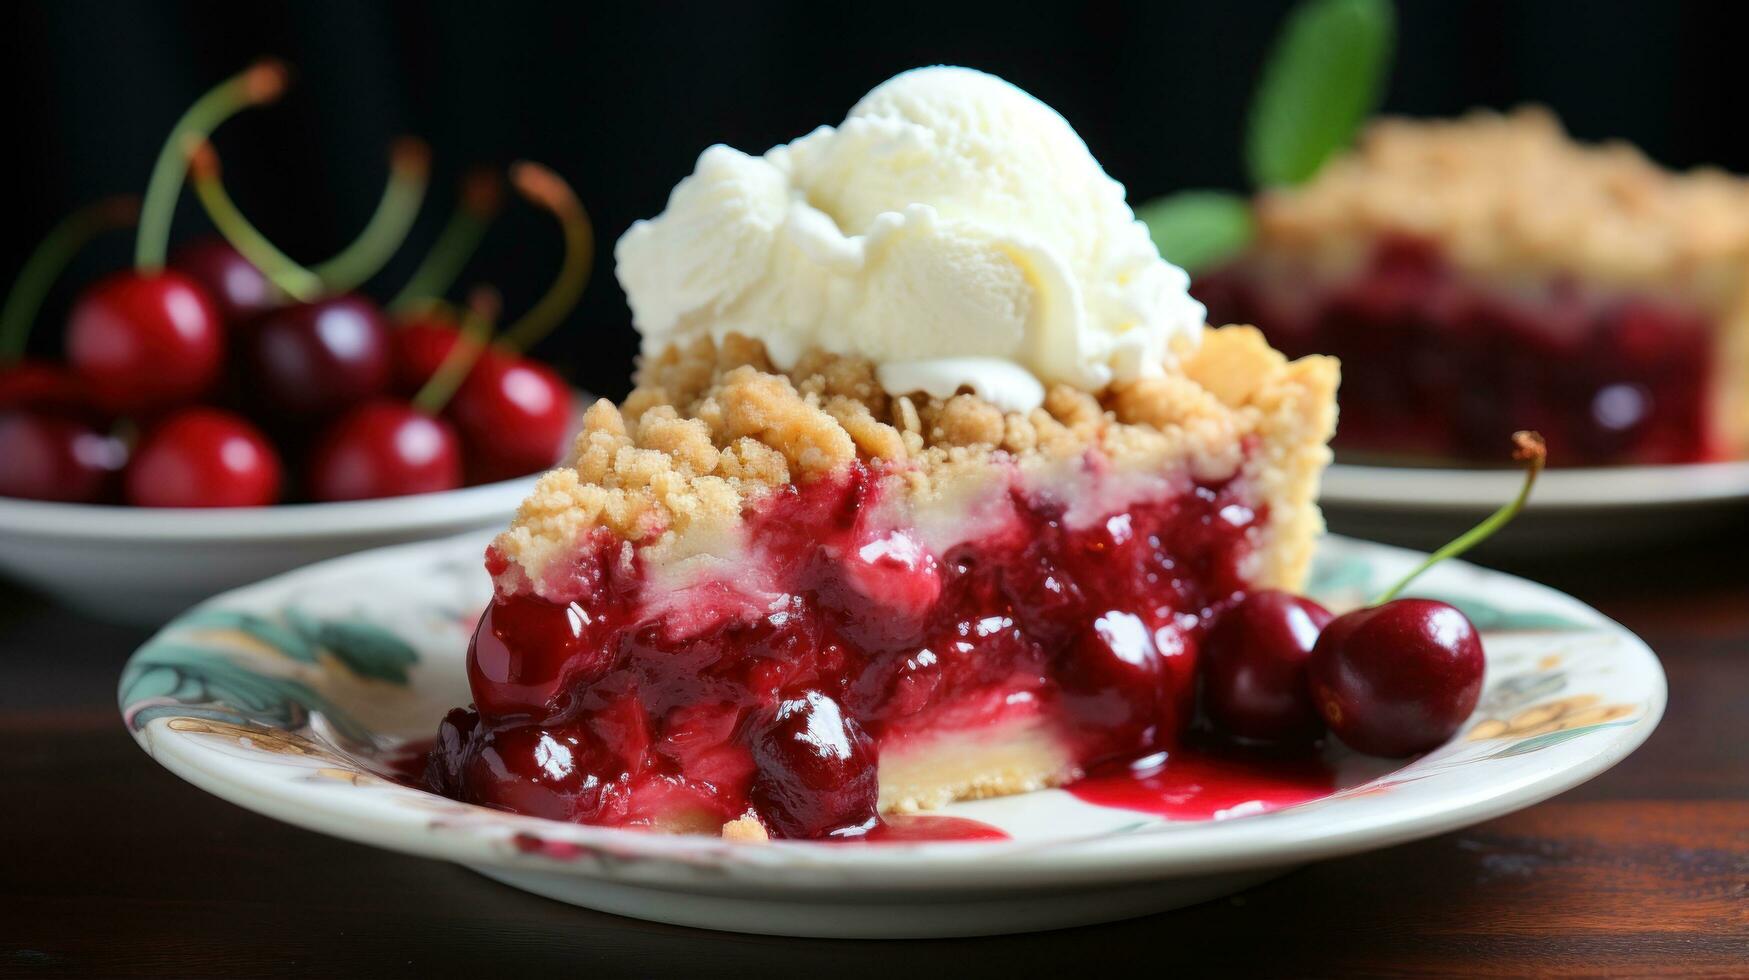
x=1198, y=229
x=289, y=642
x=368, y=650
x=1324, y=76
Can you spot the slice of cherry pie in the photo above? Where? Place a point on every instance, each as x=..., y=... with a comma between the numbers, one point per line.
x=1490, y=274
x=779, y=603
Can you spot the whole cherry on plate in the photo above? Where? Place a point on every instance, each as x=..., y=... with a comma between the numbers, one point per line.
x=329, y=349
x=514, y=413
x=391, y=448
x=1254, y=668
x=203, y=457
x=1400, y=676
x=151, y=338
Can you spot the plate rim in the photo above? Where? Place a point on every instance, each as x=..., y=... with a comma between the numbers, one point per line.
x=1424, y=488
x=379, y=517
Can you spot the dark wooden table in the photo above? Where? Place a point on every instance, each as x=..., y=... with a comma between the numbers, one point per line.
x=112, y=866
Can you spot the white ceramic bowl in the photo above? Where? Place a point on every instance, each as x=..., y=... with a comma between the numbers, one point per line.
x=144, y=565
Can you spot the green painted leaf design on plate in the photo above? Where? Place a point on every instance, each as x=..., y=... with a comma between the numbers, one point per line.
x=1555, y=738
x=285, y=639
x=186, y=675
x=1489, y=617
x=1333, y=575
x=367, y=649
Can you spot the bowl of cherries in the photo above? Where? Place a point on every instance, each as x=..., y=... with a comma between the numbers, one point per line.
x=222, y=412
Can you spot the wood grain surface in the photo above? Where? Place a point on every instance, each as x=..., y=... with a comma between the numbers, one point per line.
x=112, y=866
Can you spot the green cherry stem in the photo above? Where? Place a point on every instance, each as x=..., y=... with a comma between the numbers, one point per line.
x=289, y=277
x=260, y=83
x=409, y=174
x=482, y=196
x=476, y=331
x=50, y=259
x=1529, y=449
x=548, y=190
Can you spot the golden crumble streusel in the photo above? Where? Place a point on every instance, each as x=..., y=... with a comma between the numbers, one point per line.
x=710, y=427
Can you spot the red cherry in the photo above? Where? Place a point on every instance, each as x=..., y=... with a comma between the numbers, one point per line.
x=816, y=769
x=1398, y=678
x=521, y=650
x=384, y=448
x=420, y=345
x=1254, y=668
x=204, y=457
x=559, y=773
x=53, y=457
x=514, y=416
x=145, y=341
x=44, y=386
x=320, y=358
x=236, y=287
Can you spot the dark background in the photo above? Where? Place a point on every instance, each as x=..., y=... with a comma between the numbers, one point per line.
x=621, y=98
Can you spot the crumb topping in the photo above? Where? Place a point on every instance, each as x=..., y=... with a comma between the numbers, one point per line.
x=1503, y=192
x=712, y=426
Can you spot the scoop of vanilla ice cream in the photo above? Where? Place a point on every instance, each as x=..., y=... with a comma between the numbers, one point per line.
x=954, y=230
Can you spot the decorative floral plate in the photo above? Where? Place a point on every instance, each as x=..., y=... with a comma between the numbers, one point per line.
x=296, y=696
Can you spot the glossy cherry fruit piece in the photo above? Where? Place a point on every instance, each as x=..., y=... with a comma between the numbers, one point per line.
x=514, y=416
x=204, y=457
x=384, y=448
x=236, y=287
x=145, y=341
x=559, y=773
x=1398, y=678
x=318, y=359
x=1254, y=668
x=44, y=456
x=816, y=769
x=523, y=648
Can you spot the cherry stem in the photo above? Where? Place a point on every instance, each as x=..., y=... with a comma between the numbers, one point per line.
x=409, y=174
x=260, y=83
x=50, y=259
x=289, y=277
x=548, y=190
x=1529, y=449
x=476, y=330
x=482, y=196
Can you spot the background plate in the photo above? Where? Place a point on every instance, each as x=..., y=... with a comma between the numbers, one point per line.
x=1571, y=510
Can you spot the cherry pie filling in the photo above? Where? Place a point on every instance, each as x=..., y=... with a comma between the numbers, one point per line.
x=836, y=640
x=1435, y=363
